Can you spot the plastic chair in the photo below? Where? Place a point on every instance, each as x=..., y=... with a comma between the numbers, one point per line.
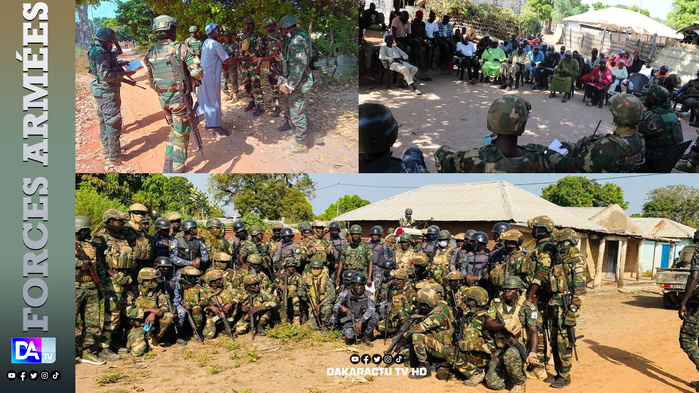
x=636, y=84
x=392, y=75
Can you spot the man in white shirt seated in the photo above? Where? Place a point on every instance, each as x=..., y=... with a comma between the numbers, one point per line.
x=396, y=60
x=466, y=50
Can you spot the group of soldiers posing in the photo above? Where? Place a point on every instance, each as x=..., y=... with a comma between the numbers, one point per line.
x=464, y=311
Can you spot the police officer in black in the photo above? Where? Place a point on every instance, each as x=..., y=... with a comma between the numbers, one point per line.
x=430, y=246
x=338, y=244
x=186, y=250
x=475, y=270
x=286, y=249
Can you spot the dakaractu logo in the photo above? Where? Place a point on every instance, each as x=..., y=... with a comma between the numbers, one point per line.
x=33, y=349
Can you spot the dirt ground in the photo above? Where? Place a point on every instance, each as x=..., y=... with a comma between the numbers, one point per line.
x=254, y=146
x=453, y=113
x=630, y=345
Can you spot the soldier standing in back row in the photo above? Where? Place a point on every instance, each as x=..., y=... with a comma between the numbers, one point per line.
x=338, y=244
x=285, y=249
x=251, y=47
x=230, y=71
x=186, y=250
x=271, y=46
x=139, y=239
x=193, y=42
x=106, y=88
x=170, y=64
x=356, y=256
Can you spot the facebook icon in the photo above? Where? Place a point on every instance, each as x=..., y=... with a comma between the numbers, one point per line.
x=33, y=350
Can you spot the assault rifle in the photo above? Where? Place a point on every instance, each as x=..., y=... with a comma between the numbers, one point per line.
x=169, y=304
x=587, y=141
x=252, y=318
x=195, y=331
x=313, y=305
x=186, y=93
x=512, y=341
x=457, y=337
x=222, y=316
x=90, y=269
x=388, y=313
x=286, y=297
x=350, y=317
x=129, y=81
x=399, y=340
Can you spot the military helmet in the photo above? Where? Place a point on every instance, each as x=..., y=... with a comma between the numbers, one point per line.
x=480, y=237
x=190, y=271
x=566, y=234
x=286, y=232
x=355, y=229
x=477, y=294
x=212, y=275
x=404, y=238
x=256, y=230
x=248, y=20
x=456, y=275
x=347, y=276
x=408, y=212
x=358, y=278
x=173, y=216
x=112, y=214
x=541, y=221
x=513, y=235
x=469, y=234
x=104, y=33
x=626, y=109
x=660, y=94
x=165, y=22
x=376, y=230
x=251, y=279
x=82, y=222
x=288, y=21
x=459, y=237
x=508, y=115
x=378, y=130
x=673, y=80
x=137, y=207
x=318, y=224
x=316, y=264
x=334, y=225
x=433, y=230
x=420, y=259
x=222, y=257
x=238, y=226
x=304, y=226
x=214, y=223
x=277, y=225
x=188, y=225
x=444, y=234
x=148, y=273
x=290, y=261
x=501, y=227
x=389, y=264
x=400, y=274
x=162, y=262
x=391, y=230
x=269, y=21
x=428, y=296
x=193, y=29
x=162, y=223
x=254, y=259
x=513, y=282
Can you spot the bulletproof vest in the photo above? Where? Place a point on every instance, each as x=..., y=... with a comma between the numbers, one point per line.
x=498, y=254
x=560, y=277
x=162, y=246
x=509, y=318
x=472, y=337
x=692, y=87
x=273, y=44
x=378, y=251
x=490, y=154
x=476, y=264
x=85, y=250
x=338, y=244
x=188, y=250
x=142, y=302
x=320, y=251
x=633, y=148
x=163, y=60
x=429, y=249
x=403, y=257
x=459, y=258
x=316, y=287
x=118, y=255
x=441, y=257
x=359, y=303
x=142, y=249
x=355, y=258
x=672, y=129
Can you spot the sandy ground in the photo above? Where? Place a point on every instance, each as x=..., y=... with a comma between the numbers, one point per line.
x=452, y=112
x=254, y=146
x=630, y=345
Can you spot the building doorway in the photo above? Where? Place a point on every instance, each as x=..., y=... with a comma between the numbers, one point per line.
x=612, y=258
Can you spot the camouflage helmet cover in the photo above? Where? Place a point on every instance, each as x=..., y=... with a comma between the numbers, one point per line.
x=659, y=94
x=291, y=262
x=444, y=234
x=674, y=80
x=214, y=223
x=428, y=296
x=541, y=221
x=513, y=235
x=456, y=275
x=316, y=264
x=191, y=271
x=319, y=224
x=404, y=238
x=256, y=230
x=288, y=21
x=508, y=115
x=148, y=273
x=460, y=236
x=566, y=234
x=277, y=225
x=104, y=33
x=165, y=22
x=254, y=259
x=420, y=259
x=400, y=274
x=213, y=275
x=112, y=214
x=304, y=226
x=513, y=282
x=172, y=216
x=269, y=21
x=251, y=279
x=193, y=29
x=478, y=294
x=626, y=109
x=222, y=257
x=82, y=222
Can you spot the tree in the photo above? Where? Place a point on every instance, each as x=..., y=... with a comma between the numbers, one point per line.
x=347, y=203
x=270, y=195
x=542, y=9
x=565, y=8
x=684, y=13
x=83, y=31
x=138, y=16
x=579, y=191
x=678, y=202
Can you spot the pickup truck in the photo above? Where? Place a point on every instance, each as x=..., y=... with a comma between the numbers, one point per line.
x=673, y=282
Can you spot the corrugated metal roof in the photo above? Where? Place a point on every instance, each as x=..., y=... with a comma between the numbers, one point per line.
x=469, y=202
x=620, y=19
x=662, y=227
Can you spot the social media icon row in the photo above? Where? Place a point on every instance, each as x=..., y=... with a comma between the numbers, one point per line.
x=376, y=359
x=33, y=375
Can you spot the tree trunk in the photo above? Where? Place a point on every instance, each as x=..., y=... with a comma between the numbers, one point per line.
x=82, y=28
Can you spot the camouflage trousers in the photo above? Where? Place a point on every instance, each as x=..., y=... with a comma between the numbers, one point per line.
x=395, y=321
x=252, y=84
x=326, y=311
x=210, y=326
x=230, y=77
x=689, y=332
x=272, y=76
x=508, y=71
x=541, y=311
x=87, y=306
x=297, y=115
x=243, y=324
x=294, y=303
x=113, y=305
x=560, y=343
x=137, y=343
x=425, y=344
x=505, y=366
x=468, y=363
x=178, y=140
x=109, y=113
x=368, y=326
x=694, y=154
x=691, y=104
x=377, y=277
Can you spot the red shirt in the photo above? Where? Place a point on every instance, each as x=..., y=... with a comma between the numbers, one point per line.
x=600, y=79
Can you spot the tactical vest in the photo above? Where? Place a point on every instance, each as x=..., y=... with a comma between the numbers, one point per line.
x=511, y=318
x=672, y=129
x=559, y=281
x=142, y=249
x=460, y=258
x=92, y=53
x=633, y=147
x=403, y=258
x=286, y=56
x=163, y=60
x=337, y=244
x=472, y=337
x=118, y=255
x=355, y=258
x=316, y=287
x=692, y=87
x=491, y=154
x=192, y=296
x=320, y=251
x=359, y=303
x=89, y=251
x=429, y=249
x=441, y=257
x=162, y=246
x=142, y=302
x=378, y=251
x=476, y=264
x=188, y=250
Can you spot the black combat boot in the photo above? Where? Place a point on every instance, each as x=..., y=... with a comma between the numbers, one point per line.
x=559, y=383
x=277, y=111
x=366, y=339
x=251, y=106
x=259, y=111
x=286, y=126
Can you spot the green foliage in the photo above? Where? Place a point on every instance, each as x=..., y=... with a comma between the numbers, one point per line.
x=542, y=9
x=91, y=204
x=346, y=203
x=109, y=376
x=269, y=195
x=677, y=202
x=123, y=33
x=288, y=332
x=214, y=369
x=138, y=16
x=598, y=6
x=252, y=218
x=579, y=191
x=565, y=8
x=683, y=14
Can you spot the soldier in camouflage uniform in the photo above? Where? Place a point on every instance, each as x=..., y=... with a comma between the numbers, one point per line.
x=251, y=48
x=286, y=248
x=507, y=118
x=688, y=96
x=193, y=299
x=429, y=243
x=186, y=250
x=670, y=82
x=661, y=129
x=298, y=77
x=432, y=335
x=337, y=244
x=118, y=256
x=380, y=254
x=175, y=219
x=214, y=288
x=106, y=88
x=230, y=71
x=89, y=274
x=294, y=292
x=255, y=246
x=356, y=256
x=147, y=312
x=169, y=63
x=255, y=267
x=511, y=314
x=140, y=241
x=443, y=253
x=271, y=47
x=357, y=311
x=456, y=288
x=689, y=312
x=515, y=262
x=193, y=42
x=617, y=152
x=315, y=247
x=407, y=221
x=419, y=272
x=475, y=344
x=404, y=253
x=402, y=299
x=214, y=237
x=318, y=285
x=232, y=278
x=261, y=307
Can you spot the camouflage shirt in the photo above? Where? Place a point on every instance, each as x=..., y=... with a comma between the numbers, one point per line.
x=568, y=278
x=525, y=317
x=223, y=296
x=542, y=258
x=251, y=248
x=296, y=60
x=610, y=153
x=694, y=264
x=232, y=48
x=312, y=248
x=164, y=75
x=137, y=302
x=443, y=256
x=357, y=257
x=193, y=297
x=661, y=130
x=215, y=244
x=293, y=281
x=194, y=45
x=263, y=299
x=489, y=159
x=272, y=45
x=321, y=289
x=255, y=48
x=438, y=323
x=105, y=68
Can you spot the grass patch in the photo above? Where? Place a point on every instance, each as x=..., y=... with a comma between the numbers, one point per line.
x=109, y=376
x=252, y=355
x=186, y=353
x=231, y=346
x=142, y=373
x=328, y=336
x=214, y=369
x=203, y=360
x=314, y=390
x=149, y=355
x=234, y=356
x=288, y=332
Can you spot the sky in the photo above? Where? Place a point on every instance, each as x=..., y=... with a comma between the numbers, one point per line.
x=377, y=187
x=105, y=9
x=657, y=8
